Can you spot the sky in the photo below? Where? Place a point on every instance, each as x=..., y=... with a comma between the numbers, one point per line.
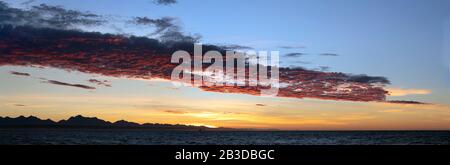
x=406, y=41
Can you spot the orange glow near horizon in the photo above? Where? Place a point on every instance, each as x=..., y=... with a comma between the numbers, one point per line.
x=155, y=101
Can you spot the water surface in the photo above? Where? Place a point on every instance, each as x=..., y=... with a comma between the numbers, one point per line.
x=147, y=137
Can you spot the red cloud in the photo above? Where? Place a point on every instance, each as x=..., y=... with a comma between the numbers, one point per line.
x=118, y=56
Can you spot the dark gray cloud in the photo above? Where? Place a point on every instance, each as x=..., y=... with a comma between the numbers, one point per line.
x=57, y=17
x=405, y=102
x=63, y=18
x=295, y=54
x=260, y=105
x=164, y=2
x=69, y=84
x=362, y=78
x=100, y=82
x=161, y=24
x=19, y=73
x=28, y=2
x=292, y=47
x=324, y=68
x=47, y=16
x=165, y=29
x=235, y=47
x=328, y=54
x=175, y=36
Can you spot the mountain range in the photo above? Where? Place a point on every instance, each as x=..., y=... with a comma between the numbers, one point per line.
x=90, y=122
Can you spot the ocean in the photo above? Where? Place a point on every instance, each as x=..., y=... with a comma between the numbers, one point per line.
x=150, y=137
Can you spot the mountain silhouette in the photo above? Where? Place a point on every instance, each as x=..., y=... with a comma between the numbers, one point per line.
x=84, y=121
x=89, y=122
x=25, y=121
x=123, y=123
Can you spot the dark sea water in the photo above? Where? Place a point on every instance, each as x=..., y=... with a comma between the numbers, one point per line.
x=145, y=137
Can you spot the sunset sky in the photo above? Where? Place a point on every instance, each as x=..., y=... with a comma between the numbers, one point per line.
x=404, y=41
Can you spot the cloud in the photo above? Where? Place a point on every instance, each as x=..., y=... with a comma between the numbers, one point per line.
x=137, y=57
x=47, y=16
x=68, y=84
x=328, y=54
x=404, y=92
x=146, y=58
x=404, y=102
x=260, y=105
x=362, y=78
x=28, y=2
x=19, y=73
x=176, y=36
x=161, y=24
x=19, y=105
x=174, y=112
x=165, y=2
x=292, y=47
x=57, y=17
x=300, y=62
x=104, y=83
x=99, y=82
x=235, y=47
x=324, y=68
x=294, y=54
x=165, y=29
